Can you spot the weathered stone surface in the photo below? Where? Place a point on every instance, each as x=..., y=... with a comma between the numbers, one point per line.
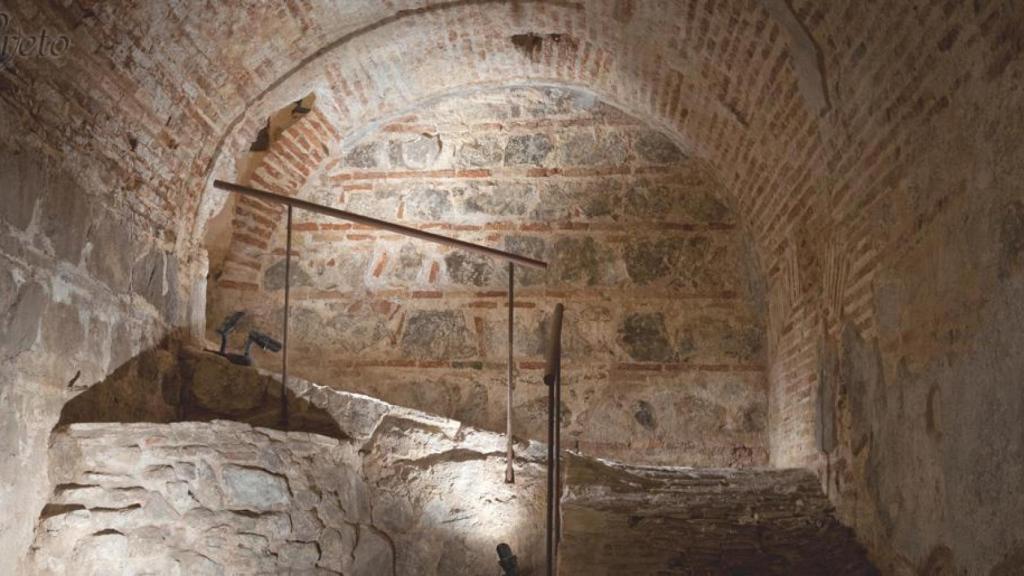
x=646, y=339
x=244, y=518
x=437, y=334
x=363, y=156
x=254, y=489
x=591, y=148
x=21, y=322
x=269, y=501
x=619, y=520
x=65, y=217
x=530, y=149
x=374, y=554
x=481, y=152
x=22, y=185
x=378, y=204
x=62, y=329
x=168, y=385
x=273, y=277
x=507, y=201
x=693, y=263
x=428, y=204
x=656, y=148
x=1011, y=238
x=408, y=265
x=154, y=277
x=344, y=273
x=8, y=291
x=112, y=252
x=419, y=152
x=579, y=261
x=531, y=247
x=470, y=269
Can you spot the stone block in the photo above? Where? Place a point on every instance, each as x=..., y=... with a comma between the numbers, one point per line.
x=645, y=338
x=470, y=269
x=273, y=276
x=101, y=554
x=532, y=247
x=337, y=547
x=656, y=148
x=254, y=489
x=373, y=554
x=196, y=564
x=419, y=152
x=514, y=199
x=437, y=334
x=528, y=149
x=407, y=266
x=580, y=261
x=378, y=203
x=429, y=204
x=299, y=555
x=593, y=148
x=366, y=155
x=483, y=151
x=644, y=415
x=695, y=263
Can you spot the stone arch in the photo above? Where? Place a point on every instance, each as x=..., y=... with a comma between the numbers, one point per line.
x=735, y=103
x=392, y=65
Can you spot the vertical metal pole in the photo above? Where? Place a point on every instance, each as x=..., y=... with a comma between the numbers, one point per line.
x=557, y=528
x=510, y=473
x=553, y=379
x=549, y=532
x=287, y=302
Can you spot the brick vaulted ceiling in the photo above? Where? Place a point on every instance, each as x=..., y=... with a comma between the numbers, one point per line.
x=835, y=129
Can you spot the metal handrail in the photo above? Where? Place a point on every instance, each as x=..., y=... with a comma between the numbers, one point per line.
x=512, y=259
x=380, y=224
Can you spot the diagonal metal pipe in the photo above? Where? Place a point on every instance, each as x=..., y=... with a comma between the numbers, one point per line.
x=379, y=224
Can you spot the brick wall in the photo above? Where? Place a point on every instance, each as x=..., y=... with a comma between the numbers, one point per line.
x=664, y=342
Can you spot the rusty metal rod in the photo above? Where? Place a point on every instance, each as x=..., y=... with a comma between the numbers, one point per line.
x=553, y=379
x=510, y=473
x=553, y=355
x=287, y=303
x=380, y=224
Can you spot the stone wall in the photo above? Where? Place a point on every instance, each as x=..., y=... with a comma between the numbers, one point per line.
x=421, y=496
x=388, y=491
x=664, y=331
x=85, y=284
